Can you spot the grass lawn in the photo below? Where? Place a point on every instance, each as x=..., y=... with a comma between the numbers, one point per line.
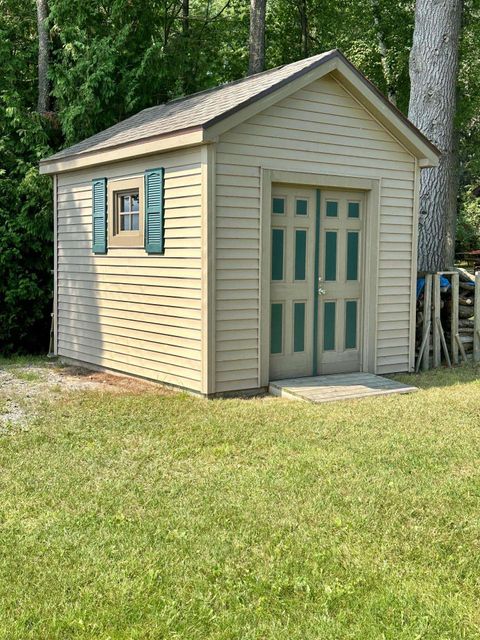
x=147, y=516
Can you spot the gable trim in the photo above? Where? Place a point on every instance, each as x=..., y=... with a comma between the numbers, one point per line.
x=355, y=83
x=386, y=113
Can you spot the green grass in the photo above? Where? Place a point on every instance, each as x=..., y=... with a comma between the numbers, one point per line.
x=26, y=361
x=162, y=516
x=26, y=375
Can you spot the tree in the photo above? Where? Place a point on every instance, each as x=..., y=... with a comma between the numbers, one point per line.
x=384, y=53
x=303, y=15
x=257, y=36
x=434, y=62
x=43, y=57
x=26, y=253
x=110, y=59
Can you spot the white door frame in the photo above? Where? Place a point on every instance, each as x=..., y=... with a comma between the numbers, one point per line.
x=371, y=187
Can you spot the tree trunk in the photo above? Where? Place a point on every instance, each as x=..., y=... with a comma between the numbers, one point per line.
x=43, y=103
x=187, y=79
x=432, y=107
x=257, y=36
x=382, y=47
x=302, y=8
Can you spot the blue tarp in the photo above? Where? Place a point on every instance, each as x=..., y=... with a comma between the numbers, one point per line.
x=444, y=284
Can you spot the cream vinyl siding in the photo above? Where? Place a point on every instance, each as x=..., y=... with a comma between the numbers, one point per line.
x=319, y=129
x=127, y=310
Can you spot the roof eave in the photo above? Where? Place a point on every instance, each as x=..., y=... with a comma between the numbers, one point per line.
x=138, y=148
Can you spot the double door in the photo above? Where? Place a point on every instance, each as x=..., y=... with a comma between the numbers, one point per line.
x=316, y=281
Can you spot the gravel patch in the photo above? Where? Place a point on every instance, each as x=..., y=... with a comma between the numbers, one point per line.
x=21, y=386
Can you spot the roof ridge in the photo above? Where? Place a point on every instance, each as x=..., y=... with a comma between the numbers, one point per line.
x=232, y=83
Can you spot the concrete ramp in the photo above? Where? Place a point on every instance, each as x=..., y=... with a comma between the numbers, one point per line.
x=345, y=386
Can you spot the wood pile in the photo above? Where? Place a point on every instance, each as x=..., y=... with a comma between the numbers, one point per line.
x=448, y=319
x=466, y=308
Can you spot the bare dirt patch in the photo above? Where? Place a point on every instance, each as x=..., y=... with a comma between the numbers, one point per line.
x=22, y=385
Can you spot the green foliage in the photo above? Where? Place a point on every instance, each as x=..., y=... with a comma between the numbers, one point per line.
x=26, y=258
x=468, y=123
x=112, y=59
x=349, y=26
x=468, y=225
x=25, y=198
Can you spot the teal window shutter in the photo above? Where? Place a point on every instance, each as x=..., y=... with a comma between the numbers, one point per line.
x=154, y=204
x=99, y=215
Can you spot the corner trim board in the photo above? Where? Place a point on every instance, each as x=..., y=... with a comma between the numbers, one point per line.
x=208, y=235
x=265, y=262
x=413, y=286
x=370, y=293
x=55, y=265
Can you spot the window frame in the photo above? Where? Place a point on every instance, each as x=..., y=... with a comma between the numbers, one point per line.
x=127, y=239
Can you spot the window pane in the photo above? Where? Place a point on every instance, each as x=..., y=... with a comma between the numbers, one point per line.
x=124, y=203
x=298, y=327
x=276, y=328
x=124, y=223
x=352, y=255
x=300, y=254
x=353, y=209
x=330, y=255
x=301, y=207
x=329, y=313
x=278, y=205
x=332, y=208
x=351, y=324
x=135, y=202
x=135, y=222
x=277, y=254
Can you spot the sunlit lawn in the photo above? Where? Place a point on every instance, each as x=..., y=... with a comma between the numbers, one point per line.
x=163, y=516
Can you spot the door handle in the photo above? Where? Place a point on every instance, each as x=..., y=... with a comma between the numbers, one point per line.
x=321, y=290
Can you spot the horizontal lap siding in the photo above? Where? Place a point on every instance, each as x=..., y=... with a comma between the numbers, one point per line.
x=127, y=310
x=237, y=274
x=321, y=129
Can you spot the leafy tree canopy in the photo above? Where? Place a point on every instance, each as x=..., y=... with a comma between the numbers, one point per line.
x=111, y=58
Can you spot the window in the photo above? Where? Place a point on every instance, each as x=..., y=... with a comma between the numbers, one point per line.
x=301, y=207
x=332, y=208
x=127, y=207
x=278, y=206
x=126, y=213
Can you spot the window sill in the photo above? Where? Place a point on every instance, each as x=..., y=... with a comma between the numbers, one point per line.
x=127, y=246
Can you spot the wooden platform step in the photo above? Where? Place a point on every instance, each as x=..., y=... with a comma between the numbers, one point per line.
x=331, y=388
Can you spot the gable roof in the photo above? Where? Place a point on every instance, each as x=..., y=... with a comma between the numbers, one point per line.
x=201, y=111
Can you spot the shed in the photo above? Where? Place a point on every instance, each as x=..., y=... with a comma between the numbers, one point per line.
x=260, y=230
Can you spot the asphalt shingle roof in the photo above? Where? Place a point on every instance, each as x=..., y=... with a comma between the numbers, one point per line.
x=205, y=108
x=197, y=110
